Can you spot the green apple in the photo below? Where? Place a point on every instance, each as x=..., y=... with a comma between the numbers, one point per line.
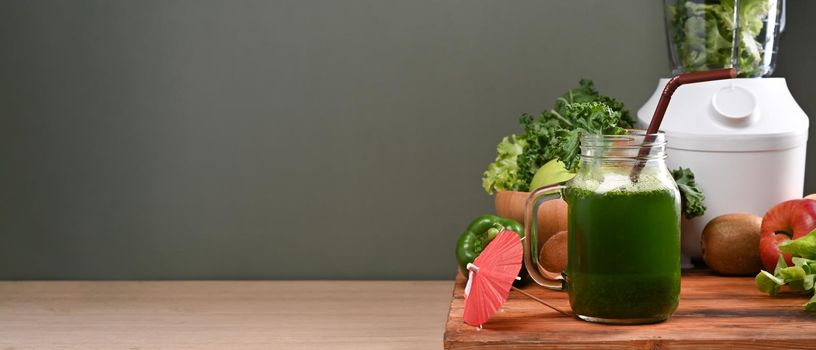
x=550, y=173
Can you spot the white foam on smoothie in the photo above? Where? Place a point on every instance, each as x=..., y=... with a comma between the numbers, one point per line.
x=611, y=182
x=616, y=179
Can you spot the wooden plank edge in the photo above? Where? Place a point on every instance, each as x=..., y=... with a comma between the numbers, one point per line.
x=661, y=344
x=447, y=343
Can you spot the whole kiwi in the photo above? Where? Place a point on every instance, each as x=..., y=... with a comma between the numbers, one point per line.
x=553, y=256
x=730, y=244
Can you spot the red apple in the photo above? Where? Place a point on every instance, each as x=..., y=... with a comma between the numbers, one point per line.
x=787, y=220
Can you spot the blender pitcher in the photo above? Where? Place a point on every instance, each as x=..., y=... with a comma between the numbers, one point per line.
x=714, y=34
x=623, y=232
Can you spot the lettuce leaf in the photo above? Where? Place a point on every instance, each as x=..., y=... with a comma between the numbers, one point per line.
x=804, y=246
x=502, y=174
x=768, y=283
x=811, y=304
x=799, y=277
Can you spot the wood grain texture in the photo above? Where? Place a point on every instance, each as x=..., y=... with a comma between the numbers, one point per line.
x=223, y=315
x=714, y=313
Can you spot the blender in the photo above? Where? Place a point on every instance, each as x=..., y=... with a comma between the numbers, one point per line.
x=744, y=139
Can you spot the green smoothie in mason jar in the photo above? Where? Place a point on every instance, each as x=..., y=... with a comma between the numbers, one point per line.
x=627, y=241
x=623, y=231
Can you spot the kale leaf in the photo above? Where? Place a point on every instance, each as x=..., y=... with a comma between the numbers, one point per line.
x=586, y=92
x=554, y=134
x=691, y=197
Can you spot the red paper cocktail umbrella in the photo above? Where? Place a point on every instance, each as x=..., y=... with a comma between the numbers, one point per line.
x=491, y=277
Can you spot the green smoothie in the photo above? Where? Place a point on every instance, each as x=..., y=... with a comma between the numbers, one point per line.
x=624, y=253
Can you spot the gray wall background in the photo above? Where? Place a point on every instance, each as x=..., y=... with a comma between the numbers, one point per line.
x=291, y=139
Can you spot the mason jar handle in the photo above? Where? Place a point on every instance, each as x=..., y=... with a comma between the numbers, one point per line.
x=545, y=278
x=782, y=17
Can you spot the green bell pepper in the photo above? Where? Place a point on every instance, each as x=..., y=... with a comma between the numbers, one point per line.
x=479, y=233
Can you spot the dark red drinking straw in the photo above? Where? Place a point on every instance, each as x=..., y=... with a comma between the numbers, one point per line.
x=663, y=104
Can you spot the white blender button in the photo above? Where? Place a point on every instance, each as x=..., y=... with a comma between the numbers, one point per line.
x=735, y=104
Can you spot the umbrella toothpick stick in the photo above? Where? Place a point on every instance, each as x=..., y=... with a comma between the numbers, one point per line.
x=541, y=301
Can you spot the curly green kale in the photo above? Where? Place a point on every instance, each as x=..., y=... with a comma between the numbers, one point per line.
x=691, y=197
x=555, y=134
x=586, y=92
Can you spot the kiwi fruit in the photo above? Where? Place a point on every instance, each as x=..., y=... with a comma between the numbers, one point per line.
x=553, y=257
x=730, y=244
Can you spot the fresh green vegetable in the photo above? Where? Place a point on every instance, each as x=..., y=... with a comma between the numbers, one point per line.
x=586, y=92
x=554, y=134
x=479, y=233
x=704, y=30
x=557, y=135
x=548, y=150
x=502, y=174
x=768, y=283
x=804, y=246
x=799, y=277
x=691, y=197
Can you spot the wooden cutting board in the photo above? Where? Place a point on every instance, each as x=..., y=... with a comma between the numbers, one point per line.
x=714, y=313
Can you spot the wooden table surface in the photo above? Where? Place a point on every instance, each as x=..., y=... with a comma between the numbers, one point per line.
x=223, y=315
x=715, y=313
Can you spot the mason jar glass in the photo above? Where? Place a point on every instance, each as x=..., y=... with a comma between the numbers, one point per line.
x=624, y=231
x=623, y=222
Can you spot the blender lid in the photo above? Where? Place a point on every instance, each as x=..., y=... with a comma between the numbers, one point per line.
x=737, y=115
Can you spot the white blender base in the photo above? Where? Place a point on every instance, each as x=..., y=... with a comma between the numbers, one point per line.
x=738, y=182
x=745, y=140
